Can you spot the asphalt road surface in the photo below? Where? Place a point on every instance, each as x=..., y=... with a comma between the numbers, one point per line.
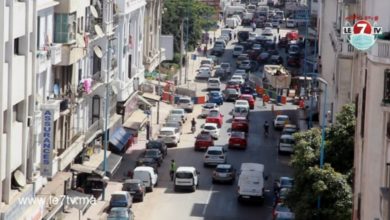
x=215, y=201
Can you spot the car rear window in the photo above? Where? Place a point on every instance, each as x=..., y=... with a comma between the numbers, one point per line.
x=223, y=170
x=208, y=127
x=214, y=152
x=225, y=65
x=184, y=175
x=118, y=197
x=175, y=112
x=131, y=186
x=213, y=114
x=213, y=81
x=184, y=101
x=166, y=132
x=238, y=49
x=203, y=136
x=237, y=135
x=154, y=144
x=287, y=141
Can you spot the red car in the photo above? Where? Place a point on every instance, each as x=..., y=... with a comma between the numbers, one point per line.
x=216, y=117
x=233, y=85
x=203, y=141
x=240, y=124
x=249, y=98
x=237, y=140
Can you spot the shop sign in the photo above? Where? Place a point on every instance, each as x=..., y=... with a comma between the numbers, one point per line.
x=47, y=142
x=364, y=31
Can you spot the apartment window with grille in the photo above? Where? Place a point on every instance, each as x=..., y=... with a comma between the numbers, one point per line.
x=386, y=90
x=65, y=27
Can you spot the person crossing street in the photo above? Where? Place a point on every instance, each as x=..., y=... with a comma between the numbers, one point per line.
x=172, y=169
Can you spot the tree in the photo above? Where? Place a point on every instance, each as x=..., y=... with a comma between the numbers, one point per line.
x=200, y=16
x=339, y=150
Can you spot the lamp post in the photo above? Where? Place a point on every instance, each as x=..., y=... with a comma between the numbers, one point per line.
x=323, y=126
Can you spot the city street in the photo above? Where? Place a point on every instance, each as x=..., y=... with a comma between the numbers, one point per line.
x=215, y=201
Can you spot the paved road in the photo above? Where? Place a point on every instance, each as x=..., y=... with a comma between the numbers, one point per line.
x=211, y=201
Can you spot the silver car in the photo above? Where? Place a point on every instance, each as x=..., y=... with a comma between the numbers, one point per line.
x=224, y=173
x=186, y=104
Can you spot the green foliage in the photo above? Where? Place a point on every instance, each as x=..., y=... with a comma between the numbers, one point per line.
x=200, y=16
x=339, y=150
x=332, y=183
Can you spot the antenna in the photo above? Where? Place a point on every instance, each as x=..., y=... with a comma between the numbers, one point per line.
x=98, y=51
x=99, y=31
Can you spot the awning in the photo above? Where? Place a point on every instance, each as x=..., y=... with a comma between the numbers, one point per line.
x=119, y=140
x=144, y=101
x=136, y=120
x=80, y=168
x=113, y=162
x=151, y=96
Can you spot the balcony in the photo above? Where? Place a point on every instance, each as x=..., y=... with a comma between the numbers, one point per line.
x=68, y=6
x=127, y=6
x=380, y=51
x=70, y=54
x=55, y=53
x=94, y=130
x=42, y=58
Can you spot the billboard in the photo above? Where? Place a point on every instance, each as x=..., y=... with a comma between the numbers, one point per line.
x=47, y=142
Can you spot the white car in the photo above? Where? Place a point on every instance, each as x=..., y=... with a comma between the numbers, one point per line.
x=186, y=178
x=280, y=121
x=207, y=61
x=267, y=32
x=286, y=144
x=238, y=78
x=291, y=24
x=238, y=50
x=169, y=135
x=186, y=103
x=213, y=84
x=179, y=112
x=240, y=72
x=252, y=36
x=268, y=25
x=214, y=156
x=206, y=108
x=241, y=108
x=212, y=129
x=245, y=65
x=203, y=73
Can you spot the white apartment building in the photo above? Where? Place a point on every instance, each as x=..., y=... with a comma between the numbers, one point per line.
x=372, y=146
x=337, y=59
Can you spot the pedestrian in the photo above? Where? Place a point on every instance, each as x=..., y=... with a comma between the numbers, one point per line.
x=205, y=50
x=235, y=36
x=253, y=26
x=172, y=169
x=211, y=41
x=277, y=29
x=230, y=35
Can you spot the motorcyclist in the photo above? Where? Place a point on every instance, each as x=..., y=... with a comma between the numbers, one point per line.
x=266, y=127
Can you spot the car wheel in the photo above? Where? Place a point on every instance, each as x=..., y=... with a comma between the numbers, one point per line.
x=193, y=188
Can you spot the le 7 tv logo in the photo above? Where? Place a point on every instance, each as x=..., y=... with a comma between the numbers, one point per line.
x=362, y=27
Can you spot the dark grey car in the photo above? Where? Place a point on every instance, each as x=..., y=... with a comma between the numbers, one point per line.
x=230, y=95
x=157, y=144
x=136, y=188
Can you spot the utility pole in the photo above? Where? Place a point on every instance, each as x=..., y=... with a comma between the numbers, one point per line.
x=187, y=38
x=181, y=51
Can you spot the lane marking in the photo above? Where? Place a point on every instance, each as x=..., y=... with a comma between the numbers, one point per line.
x=208, y=200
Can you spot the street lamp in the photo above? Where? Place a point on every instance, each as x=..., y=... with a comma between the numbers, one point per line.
x=323, y=126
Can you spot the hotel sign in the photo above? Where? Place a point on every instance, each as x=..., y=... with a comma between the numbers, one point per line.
x=47, y=142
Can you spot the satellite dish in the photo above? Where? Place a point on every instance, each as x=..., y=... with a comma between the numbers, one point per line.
x=98, y=51
x=99, y=31
x=19, y=178
x=80, y=40
x=94, y=13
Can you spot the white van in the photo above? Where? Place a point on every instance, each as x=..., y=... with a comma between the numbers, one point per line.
x=238, y=9
x=186, y=178
x=147, y=176
x=231, y=23
x=241, y=109
x=251, y=182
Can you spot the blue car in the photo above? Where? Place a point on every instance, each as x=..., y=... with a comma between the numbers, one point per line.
x=215, y=97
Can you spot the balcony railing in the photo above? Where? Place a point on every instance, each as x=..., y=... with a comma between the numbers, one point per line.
x=381, y=49
x=55, y=53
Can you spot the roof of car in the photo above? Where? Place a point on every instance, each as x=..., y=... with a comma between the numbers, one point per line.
x=252, y=166
x=133, y=181
x=215, y=148
x=144, y=168
x=224, y=166
x=211, y=124
x=240, y=118
x=185, y=169
x=167, y=129
x=119, y=193
x=282, y=116
x=286, y=136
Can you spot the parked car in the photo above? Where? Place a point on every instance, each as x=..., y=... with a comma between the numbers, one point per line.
x=240, y=124
x=147, y=162
x=212, y=129
x=173, y=124
x=280, y=121
x=230, y=94
x=180, y=112
x=285, y=182
x=120, y=213
x=203, y=73
x=215, y=116
x=159, y=145
x=207, y=107
x=135, y=187
x=186, y=103
x=121, y=199
x=224, y=173
x=169, y=136
x=237, y=140
x=215, y=155
x=250, y=100
x=203, y=141
x=286, y=144
x=215, y=97
x=289, y=129
x=232, y=84
x=226, y=67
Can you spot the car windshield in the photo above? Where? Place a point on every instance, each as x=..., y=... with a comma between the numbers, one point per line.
x=213, y=114
x=281, y=119
x=214, y=152
x=213, y=81
x=151, y=153
x=231, y=91
x=176, y=112
x=184, y=175
x=223, y=170
x=118, y=213
x=237, y=135
x=214, y=94
x=236, y=77
x=225, y=65
x=184, y=101
x=154, y=144
x=209, y=127
x=118, y=197
x=287, y=141
x=286, y=182
x=240, y=109
x=209, y=106
x=166, y=132
x=131, y=186
x=232, y=83
x=203, y=137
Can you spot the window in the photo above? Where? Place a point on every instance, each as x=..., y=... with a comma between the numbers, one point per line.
x=16, y=46
x=386, y=90
x=95, y=108
x=129, y=69
x=65, y=28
